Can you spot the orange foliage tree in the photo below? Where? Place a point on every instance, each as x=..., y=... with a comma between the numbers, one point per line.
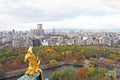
x=82, y=73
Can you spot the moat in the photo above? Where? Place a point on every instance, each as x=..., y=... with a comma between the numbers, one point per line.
x=48, y=72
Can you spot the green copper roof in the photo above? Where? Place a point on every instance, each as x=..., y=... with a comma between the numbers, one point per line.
x=26, y=77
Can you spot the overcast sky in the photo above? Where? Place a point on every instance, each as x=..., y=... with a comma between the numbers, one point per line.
x=78, y=14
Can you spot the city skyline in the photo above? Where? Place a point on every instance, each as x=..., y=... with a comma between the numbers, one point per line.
x=60, y=14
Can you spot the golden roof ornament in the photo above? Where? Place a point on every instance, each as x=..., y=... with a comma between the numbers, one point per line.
x=34, y=63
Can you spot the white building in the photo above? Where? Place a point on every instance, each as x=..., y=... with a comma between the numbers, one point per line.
x=45, y=43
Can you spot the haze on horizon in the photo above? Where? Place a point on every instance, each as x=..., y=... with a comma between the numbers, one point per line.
x=72, y=14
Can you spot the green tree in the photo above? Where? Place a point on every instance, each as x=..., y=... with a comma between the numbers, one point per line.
x=21, y=57
x=3, y=59
x=57, y=76
x=106, y=54
x=69, y=74
x=2, y=54
x=12, y=57
x=2, y=72
x=102, y=71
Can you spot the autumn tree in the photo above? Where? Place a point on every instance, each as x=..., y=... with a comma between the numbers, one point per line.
x=112, y=56
x=53, y=62
x=82, y=73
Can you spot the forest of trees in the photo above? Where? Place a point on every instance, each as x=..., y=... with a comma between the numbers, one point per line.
x=13, y=59
x=82, y=74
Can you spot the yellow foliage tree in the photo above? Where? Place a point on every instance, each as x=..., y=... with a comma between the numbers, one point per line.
x=112, y=56
x=53, y=62
x=109, y=62
x=82, y=51
x=92, y=69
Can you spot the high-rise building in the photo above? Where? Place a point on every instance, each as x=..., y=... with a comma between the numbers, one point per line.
x=36, y=42
x=39, y=26
x=53, y=32
x=34, y=32
x=13, y=31
x=40, y=30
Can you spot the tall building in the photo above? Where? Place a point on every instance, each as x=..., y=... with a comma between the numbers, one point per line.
x=36, y=42
x=40, y=30
x=53, y=31
x=34, y=32
x=39, y=26
x=13, y=31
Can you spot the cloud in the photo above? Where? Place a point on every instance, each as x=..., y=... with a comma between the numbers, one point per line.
x=89, y=22
x=86, y=14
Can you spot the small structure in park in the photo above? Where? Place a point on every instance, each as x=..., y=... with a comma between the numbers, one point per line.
x=33, y=72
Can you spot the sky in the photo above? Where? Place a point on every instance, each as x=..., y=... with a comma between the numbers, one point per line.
x=60, y=14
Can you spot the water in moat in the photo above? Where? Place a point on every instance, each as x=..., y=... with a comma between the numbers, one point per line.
x=48, y=72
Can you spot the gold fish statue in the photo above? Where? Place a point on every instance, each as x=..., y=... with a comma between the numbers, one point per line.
x=33, y=72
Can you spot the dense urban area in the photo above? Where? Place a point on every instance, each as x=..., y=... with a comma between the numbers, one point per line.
x=39, y=36
x=98, y=52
